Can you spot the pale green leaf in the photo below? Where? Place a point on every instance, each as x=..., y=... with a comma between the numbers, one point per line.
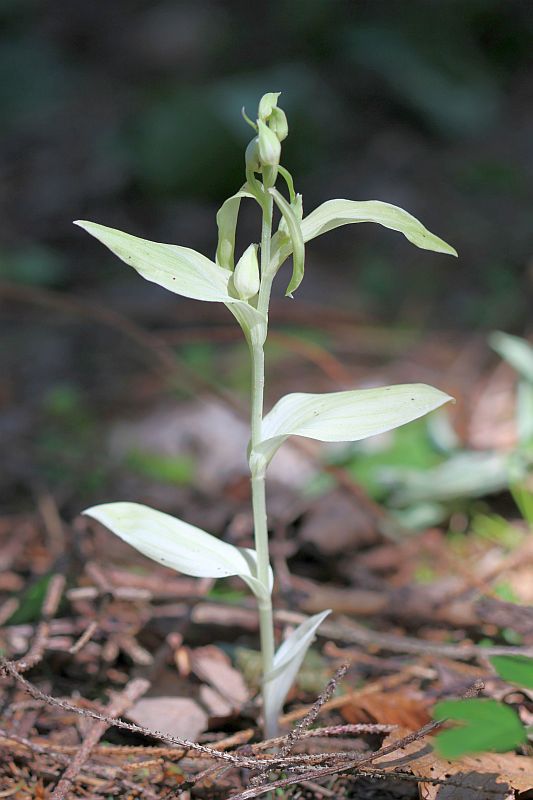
x=524, y=411
x=287, y=662
x=227, y=216
x=345, y=416
x=297, y=243
x=176, y=544
x=287, y=177
x=469, y=473
x=516, y=351
x=181, y=270
x=335, y=213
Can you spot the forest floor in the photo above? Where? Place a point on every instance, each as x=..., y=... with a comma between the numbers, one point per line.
x=124, y=679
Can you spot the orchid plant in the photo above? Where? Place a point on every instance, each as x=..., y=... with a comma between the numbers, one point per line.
x=245, y=288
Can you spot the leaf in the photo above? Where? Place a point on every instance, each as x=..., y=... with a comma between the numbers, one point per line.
x=287, y=177
x=227, y=223
x=405, y=707
x=287, y=661
x=466, y=474
x=346, y=416
x=516, y=351
x=468, y=778
x=335, y=213
x=174, y=716
x=30, y=602
x=523, y=498
x=213, y=666
x=161, y=468
x=179, y=269
x=296, y=238
x=514, y=669
x=176, y=544
x=524, y=411
x=490, y=725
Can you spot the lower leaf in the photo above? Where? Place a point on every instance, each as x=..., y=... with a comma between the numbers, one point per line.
x=178, y=545
x=287, y=662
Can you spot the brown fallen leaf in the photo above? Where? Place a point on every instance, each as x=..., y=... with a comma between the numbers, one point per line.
x=337, y=524
x=486, y=776
x=177, y=716
x=213, y=666
x=407, y=708
x=217, y=706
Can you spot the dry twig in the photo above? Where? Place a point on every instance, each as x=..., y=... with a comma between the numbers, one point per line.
x=135, y=689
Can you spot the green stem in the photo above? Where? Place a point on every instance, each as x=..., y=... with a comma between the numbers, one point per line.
x=266, y=625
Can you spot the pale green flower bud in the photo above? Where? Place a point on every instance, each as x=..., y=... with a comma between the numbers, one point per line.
x=268, y=102
x=252, y=156
x=269, y=146
x=246, y=275
x=278, y=123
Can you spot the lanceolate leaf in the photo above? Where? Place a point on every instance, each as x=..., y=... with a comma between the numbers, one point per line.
x=335, y=213
x=287, y=662
x=296, y=238
x=176, y=544
x=346, y=416
x=178, y=269
x=227, y=223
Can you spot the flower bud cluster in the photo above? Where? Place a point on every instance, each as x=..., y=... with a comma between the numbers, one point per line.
x=272, y=128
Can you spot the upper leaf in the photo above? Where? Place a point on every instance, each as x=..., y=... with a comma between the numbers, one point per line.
x=179, y=269
x=335, y=213
x=176, y=544
x=287, y=662
x=346, y=416
x=297, y=243
x=227, y=216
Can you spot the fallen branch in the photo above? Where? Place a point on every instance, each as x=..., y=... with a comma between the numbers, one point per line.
x=133, y=691
x=339, y=766
x=184, y=744
x=301, y=728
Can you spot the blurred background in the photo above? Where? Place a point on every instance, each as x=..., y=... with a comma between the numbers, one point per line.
x=128, y=113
